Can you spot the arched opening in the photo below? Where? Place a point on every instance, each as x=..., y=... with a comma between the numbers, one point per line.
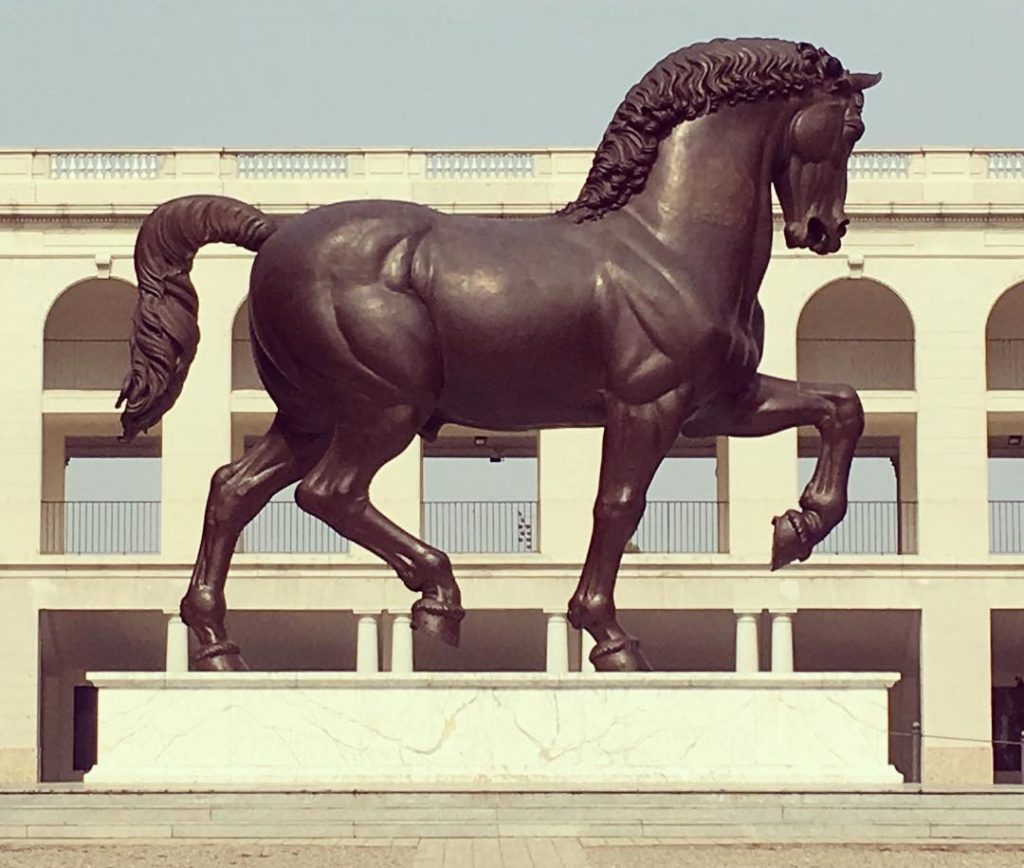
x=1004, y=341
x=243, y=368
x=856, y=331
x=85, y=339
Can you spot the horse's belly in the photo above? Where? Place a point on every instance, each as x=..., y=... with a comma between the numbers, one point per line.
x=522, y=390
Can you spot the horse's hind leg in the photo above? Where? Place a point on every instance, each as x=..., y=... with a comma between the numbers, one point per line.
x=636, y=439
x=337, y=492
x=237, y=492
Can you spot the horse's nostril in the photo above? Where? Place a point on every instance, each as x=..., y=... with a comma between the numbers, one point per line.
x=815, y=231
x=841, y=231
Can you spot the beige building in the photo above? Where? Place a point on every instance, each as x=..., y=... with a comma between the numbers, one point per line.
x=922, y=311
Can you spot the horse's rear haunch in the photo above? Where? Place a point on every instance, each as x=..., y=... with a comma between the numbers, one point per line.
x=771, y=113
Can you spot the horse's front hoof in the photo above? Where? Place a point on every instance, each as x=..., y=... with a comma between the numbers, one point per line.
x=619, y=655
x=438, y=620
x=219, y=657
x=789, y=542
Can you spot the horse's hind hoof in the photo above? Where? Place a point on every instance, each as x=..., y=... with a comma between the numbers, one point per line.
x=219, y=657
x=619, y=655
x=789, y=542
x=437, y=619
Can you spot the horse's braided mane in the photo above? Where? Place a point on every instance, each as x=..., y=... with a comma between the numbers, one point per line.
x=689, y=83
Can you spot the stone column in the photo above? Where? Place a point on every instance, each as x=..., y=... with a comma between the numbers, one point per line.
x=782, y=640
x=367, y=659
x=177, y=643
x=956, y=687
x=401, y=643
x=557, y=643
x=587, y=644
x=569, y=462
x=746, y=640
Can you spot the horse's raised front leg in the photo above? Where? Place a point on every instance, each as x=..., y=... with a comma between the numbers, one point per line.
x=337, y=492
x=836, y=412
x=237, y=492
x=636, y=439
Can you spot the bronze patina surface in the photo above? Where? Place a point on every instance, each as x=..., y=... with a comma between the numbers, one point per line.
x=634, y=308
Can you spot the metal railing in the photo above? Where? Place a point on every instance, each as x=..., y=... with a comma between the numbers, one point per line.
x=481, y=526
x=100, y=527
x=282, y=527
x=679, y=526
x=1004, y=363
x=864, y=363
x=84, y=364
x=1006, y=527
x=874, y=527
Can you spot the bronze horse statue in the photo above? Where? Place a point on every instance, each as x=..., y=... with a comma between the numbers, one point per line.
x=633, y=308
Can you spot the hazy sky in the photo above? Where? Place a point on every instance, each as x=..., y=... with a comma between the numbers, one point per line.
x=435, y=73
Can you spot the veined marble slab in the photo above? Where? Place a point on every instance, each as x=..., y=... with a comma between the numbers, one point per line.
x=479, y=730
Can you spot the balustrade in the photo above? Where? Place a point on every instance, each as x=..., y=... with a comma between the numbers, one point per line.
x=480, y=165
x=132, y=165
x=878, y=164
x=1006, y=164
x=292, y=164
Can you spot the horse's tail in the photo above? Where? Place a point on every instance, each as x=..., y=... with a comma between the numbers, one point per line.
x=165, y=327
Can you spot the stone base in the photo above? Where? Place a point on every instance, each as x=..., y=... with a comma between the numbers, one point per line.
x=472, y=731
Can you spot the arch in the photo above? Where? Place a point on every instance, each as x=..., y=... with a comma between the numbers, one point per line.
x=85, y=336
x=1004, y=340
x=243, y=368
x=856, y=331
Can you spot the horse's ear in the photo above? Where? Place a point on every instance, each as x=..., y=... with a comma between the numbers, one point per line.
x=863, y=80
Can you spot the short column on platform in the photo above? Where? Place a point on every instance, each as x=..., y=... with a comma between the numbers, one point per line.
x=587, y=644
x=782, y=640
x=177, y=643
x=367, y=656
x=401, y=643
x=746, y=640
x=557, y=643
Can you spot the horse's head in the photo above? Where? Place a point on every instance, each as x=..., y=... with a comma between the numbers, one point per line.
x=811, y=176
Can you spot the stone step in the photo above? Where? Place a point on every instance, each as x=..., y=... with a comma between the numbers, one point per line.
x=788, y=816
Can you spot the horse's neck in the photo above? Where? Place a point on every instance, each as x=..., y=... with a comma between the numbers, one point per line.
x=708, y=197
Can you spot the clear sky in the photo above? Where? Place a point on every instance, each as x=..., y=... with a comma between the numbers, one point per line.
x=435, y=73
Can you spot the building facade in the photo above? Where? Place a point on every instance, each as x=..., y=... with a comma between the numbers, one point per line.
x=922, y=311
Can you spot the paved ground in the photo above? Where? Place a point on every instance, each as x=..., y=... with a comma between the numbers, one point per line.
x=504, y=853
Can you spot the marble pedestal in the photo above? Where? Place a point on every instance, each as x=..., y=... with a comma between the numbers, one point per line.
x=467, y=731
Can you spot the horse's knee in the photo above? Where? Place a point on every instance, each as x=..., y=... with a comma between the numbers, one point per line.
x=848, y=412
x=624, y=506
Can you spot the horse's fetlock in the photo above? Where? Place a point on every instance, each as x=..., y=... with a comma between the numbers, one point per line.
x=203, y=603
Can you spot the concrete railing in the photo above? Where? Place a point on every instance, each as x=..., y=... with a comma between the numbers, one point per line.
x=482, y=164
